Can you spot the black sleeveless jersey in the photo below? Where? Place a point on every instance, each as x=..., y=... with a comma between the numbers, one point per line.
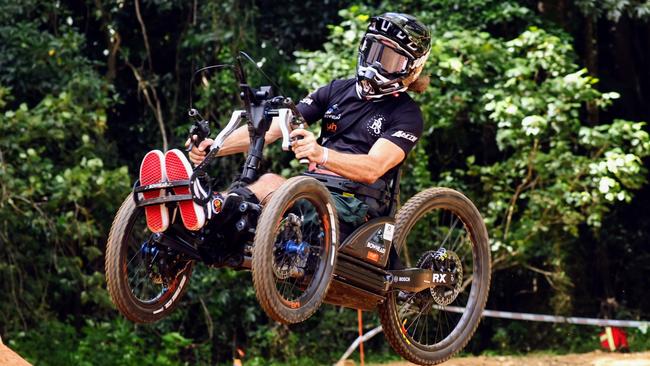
x=352, y=124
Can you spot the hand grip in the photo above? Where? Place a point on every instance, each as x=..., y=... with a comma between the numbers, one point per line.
x=201, y=130
x=303, y=161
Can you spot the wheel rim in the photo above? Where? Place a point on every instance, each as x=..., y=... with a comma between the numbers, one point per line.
x=425, y=319
x=300, y=251
x=140, y=264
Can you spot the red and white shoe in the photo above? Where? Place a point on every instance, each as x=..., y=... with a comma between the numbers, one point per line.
x=152, y=170
x=179, y=168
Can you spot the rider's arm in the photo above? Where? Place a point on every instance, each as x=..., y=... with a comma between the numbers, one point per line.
x=311, y=107
x=389, y=150
x=383, y=156
x=239, y=140
x=364, y=168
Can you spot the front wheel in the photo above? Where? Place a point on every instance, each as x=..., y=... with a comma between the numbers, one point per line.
x=145, y=279
x=438, y=229
x=295, y=250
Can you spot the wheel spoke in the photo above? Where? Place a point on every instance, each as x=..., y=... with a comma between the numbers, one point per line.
x=132, y=258
x=451, y=230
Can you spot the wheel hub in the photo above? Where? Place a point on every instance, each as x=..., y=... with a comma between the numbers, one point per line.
x=301, y=250
x=163, y=265
x=291, y=259
x=292, y=253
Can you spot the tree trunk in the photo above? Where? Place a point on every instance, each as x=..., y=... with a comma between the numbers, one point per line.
x=591, y=58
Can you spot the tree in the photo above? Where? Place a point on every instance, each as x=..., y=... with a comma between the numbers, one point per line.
x=58, y=181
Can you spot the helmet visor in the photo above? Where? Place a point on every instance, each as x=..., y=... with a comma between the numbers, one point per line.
x=376, y=52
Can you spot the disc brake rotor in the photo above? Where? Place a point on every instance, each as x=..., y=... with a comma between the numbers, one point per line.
x=445, y=261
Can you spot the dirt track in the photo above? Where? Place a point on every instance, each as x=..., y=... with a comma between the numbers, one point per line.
x=585, y=359
x=9, y=358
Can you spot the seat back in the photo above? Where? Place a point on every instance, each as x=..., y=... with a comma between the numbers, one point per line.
x=393, y=188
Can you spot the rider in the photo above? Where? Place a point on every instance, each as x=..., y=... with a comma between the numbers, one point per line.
x=369, y=122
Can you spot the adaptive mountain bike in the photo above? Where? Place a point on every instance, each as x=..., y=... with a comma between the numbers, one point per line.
x=425, y=268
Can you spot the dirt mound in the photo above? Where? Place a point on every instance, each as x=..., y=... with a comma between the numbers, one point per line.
x=10, y=358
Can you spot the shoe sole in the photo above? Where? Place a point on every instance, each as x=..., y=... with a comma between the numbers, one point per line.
x=179, y=168
x=152, y=170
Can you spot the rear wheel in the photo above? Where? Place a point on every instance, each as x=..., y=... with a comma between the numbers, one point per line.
x=295, y=250
x=438, y=229
x=145, y=280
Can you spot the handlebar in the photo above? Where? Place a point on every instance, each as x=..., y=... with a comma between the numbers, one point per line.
x=261, y=108
x=279, y=108
x=200, y=129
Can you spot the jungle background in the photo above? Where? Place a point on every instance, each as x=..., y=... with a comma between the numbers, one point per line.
x=535, y=111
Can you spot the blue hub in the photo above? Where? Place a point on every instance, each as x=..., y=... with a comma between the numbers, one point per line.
x=148, y=249
x=299, y=249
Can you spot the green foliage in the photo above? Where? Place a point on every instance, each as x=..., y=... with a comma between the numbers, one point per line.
x=56, y=196
x=97, y=344
x=639, y=339
x=554, y=171
x=615, y=9
x=338, y=58
x=526, y=337
x=446, y=15
x=34, y=62
x=57, y=182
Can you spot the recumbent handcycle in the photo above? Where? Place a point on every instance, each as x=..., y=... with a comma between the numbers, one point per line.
x=425, y=268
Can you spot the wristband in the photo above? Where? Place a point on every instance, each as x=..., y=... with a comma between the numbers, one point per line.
x=325, y=156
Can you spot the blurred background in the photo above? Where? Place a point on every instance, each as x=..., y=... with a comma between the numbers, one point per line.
x=535, y=112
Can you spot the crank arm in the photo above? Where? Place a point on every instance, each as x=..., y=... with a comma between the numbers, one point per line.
x=417, y=279
x=233, y=124
x=177, y=244
x=235, y=120
x=285, y=116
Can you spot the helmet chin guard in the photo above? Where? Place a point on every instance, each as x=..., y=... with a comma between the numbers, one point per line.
x=391, y=54
x=372, y=84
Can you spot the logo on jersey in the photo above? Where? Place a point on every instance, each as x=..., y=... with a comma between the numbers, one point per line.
x=333, y=113
x=307, y=100
x=331, y=127
x=375, y=125
x=405, y=135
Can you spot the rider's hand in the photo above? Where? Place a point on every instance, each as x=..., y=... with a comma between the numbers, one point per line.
x=197, y=154
x=307, y=147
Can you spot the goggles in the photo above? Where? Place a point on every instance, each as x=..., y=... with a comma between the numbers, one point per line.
x=382, y=53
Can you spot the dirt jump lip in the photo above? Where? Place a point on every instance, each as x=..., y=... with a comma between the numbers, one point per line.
x=10, y=358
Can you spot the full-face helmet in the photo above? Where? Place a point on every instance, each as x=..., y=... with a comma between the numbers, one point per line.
x=392, y=54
